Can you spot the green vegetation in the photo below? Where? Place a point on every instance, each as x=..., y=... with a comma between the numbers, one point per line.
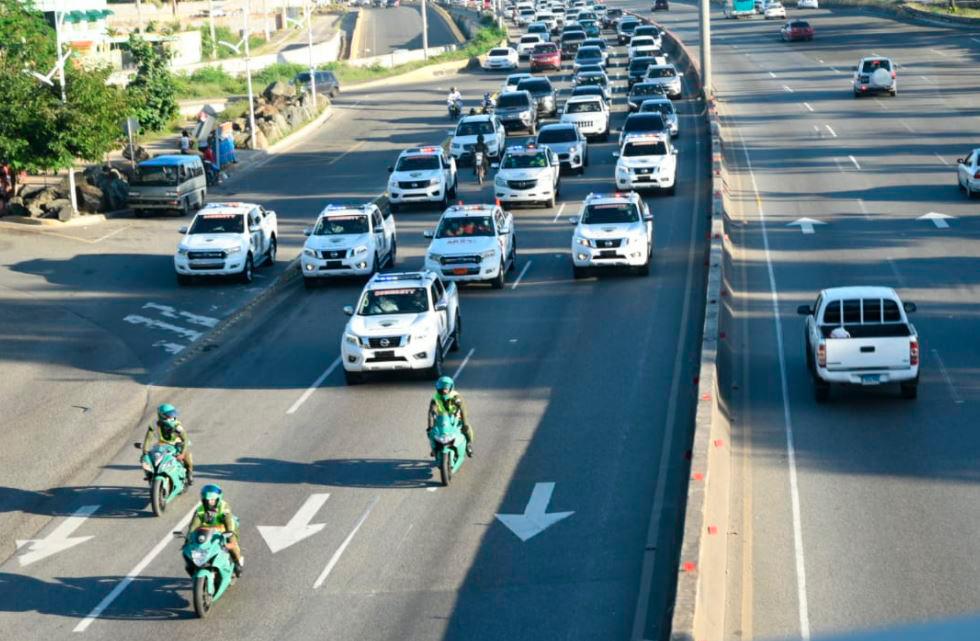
x=224, y=33
x=37, y=131
x=211, y=82
x=153, y=91
x=943, y=8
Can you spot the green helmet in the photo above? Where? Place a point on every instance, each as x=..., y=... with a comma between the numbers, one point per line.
x=210, y=496
x=445, y=385
x=166, y=411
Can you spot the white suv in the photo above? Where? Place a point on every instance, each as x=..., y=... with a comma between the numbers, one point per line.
x=473, y=243
x=422, y=174
x=402, y=321
x=589, y=113
x=348, y=241
x=227, y=239
x=647, y=162
x=612, y=230
x=528, y=175
x=464, y=138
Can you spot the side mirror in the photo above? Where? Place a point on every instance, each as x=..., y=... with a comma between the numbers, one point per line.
x=504, y=229
x=647, y=217
x=307, y=232
x=909, y=307
x=349, y=310
x=674, y=151
x=804, y=310
x=680, y=75
x=427, y=234
x=573, y=220
x=391, y=170
x=495, y=165
x=615, y=154
x=182, y=230
x=441, y=306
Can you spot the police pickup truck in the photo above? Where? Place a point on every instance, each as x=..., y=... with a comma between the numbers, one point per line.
x=227, y=239
x=402, y=321
x=348, y=241
x=860, y=336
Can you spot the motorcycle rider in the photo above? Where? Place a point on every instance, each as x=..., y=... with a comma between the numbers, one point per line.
x=481, y=145
x=454, y=99
x=447, y=401
x=171, y=432
x=488, y=103
x=214, y=512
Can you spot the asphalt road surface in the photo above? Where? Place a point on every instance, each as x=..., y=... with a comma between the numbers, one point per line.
x=580, y=393
x=385, y=30
x=885, y=492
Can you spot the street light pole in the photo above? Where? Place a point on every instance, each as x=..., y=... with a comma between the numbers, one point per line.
x=309, y=46
x=705, y=24
x=139, y=16
x=214, y=38
x=425, y=32
x=58, y=17
x=248, y=79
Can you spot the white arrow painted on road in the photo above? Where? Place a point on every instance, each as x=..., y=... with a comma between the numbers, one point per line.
x=59, y=540
x=279, y=538
x=939, y=220
x=806, y=224
x=535, y=519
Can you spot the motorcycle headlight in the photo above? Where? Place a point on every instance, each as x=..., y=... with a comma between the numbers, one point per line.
x=490, y=253
x=199, y=557
x=585, y=242
x=444, y=440
x=360, y=249
x=435, y=258
x=232, y=250
x=309, y=252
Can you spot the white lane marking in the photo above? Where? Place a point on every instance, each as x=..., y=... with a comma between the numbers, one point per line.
x=349, y=151
x=59, y=540
x=831, y=130
x=924, y=78
x=949, y=381
x=975, y=39
x=312, y=388
x=864, y=210
x=558, y=215
x=535, y=518
x=854, y=162
x=459, y=370
x=806, y=225
x=938, y=219
x=771, y=74
x=941, y=53
x=908, y=127
x=787, y=89
x=151, y=323
x=171, y=312
x=816, y=130
x=517, y=282
x=820, y=61
x=343, y=546
x=280, y=537
x=881, y=104
x=653, y=527
x=170, y=348
x=807, y=105
x=110, y=234
x=135, y=572
x=942, y=160
x=836, y=70
x=787, y=416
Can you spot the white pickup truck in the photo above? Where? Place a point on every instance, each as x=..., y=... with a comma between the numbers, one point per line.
x=860, y=336
x=227, y=239
x=402, y=321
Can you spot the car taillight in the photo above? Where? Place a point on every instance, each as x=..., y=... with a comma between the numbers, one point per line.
x=822, y=355
x=914, y=351
x=977, y=175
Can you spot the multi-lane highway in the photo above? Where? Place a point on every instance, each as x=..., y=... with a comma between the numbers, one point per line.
x=580, y=393
x=867, y=518
x=382, y=31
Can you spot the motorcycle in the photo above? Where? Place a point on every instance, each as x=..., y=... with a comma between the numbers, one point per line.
x=165, y=473
x=209, y=564
x=479, y=166
x=455, y=109
x=448, y=445
x=488, y=106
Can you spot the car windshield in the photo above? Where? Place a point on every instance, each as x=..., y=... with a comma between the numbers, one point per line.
x=499, y=52
x=656, y=148
x=543, y=49
x=665, y=108
x=613, y=13
x=640, y=65
x=644, y=122
x=556, y=134
x=647, y=90
x=665, y=72
x=589, y=53
x=538, y=28
x=534, y=85
x=525, y=161
x=418, y=163
x=799, y=25
x=645, y=41
x=408, y=300
x=338, y=225
x=474, y=128
x=157, y=176
x=512, y=100
x=594, y=42
x=584, y=107
x=626, y=26
x=528, y=39
x=610, y=213
x=465, y=226
x=587, y=90
x=592, y=79
x=647, y=30
x=571, y=36
x=218, y=224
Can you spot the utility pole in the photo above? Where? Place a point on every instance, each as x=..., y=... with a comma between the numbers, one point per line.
x=705, y=23
x=139, y=16
x=59, y=16
x=309, y=47
x=265, y=20
x=425, y=32
x=214, y=38
x=248, y=78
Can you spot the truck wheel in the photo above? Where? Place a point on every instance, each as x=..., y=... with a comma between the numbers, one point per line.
x=246, y=275
x=455, y=188
x=435, y=371
x=821, y=390
x=270, y=256
x=498, y=282
x=457, y=334
x=353, y=378
x=392, y=253
x=186, y=209
x=910, y=390
x=513, y=256
x=376, y=266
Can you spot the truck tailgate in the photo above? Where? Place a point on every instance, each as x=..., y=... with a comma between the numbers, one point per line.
x=845, y=354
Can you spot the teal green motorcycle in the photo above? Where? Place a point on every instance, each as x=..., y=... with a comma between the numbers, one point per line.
x=210, y=566
x=448, y=445
x=166, y=475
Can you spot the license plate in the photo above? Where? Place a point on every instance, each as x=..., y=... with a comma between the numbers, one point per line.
x=607, y=254
x=208, y=265
x=870, y=379
x=335, y=264
x=385, y=354
x=460, y=271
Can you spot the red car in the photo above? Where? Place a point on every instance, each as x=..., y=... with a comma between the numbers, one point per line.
x=796, y=30
x=545, y=56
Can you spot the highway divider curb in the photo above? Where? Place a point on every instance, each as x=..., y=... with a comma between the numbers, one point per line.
x=448, y=19
x=700, y=597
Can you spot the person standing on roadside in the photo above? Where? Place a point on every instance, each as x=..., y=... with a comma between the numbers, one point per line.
x=185, y=142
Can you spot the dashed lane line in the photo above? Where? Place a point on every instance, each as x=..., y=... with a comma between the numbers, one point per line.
x=459, y=370
x=312, y=388
x=520, y=276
